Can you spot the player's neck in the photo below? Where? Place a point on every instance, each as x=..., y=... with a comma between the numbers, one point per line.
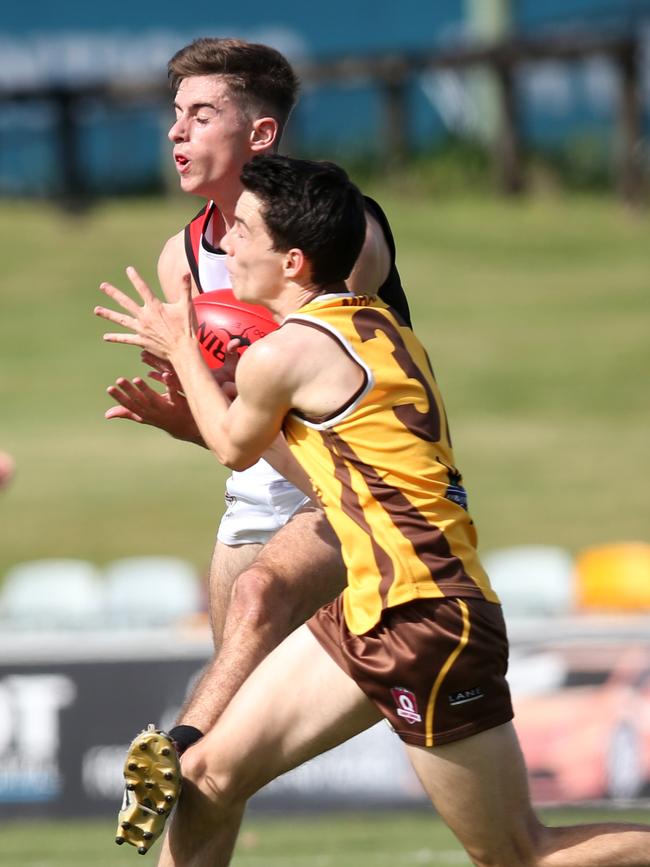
x=226, y=216
x=313, y=292
x=221, y=221
x=225, y=198
x=296, y=296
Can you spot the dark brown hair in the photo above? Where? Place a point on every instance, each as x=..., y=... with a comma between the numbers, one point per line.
x=259, y=78
x=313, y=206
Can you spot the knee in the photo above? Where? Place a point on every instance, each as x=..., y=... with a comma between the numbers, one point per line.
x=511, y=856
x=256, y=584
x=212, y=782
x=515, y=848
x=258, y=593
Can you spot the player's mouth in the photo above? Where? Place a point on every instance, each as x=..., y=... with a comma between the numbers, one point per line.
x=182, y=163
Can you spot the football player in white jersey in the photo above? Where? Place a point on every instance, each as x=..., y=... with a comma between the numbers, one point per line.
x=276, y=560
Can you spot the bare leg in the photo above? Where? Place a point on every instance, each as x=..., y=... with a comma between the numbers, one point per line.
x=294, y=574
x=614, y=844
x=225, y=672
x=480, y=789
x=297, y=704
x=228, y=562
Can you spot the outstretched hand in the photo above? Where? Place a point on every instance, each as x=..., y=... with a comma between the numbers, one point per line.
x=140, y=403
x=157, y=327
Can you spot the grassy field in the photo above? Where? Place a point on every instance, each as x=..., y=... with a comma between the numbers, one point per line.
x=535, y=313
x=348, y=840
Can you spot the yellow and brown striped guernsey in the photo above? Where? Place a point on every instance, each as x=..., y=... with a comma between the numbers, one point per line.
x=384, y=469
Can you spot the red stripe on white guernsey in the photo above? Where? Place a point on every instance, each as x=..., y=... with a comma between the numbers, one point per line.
x=209, y=266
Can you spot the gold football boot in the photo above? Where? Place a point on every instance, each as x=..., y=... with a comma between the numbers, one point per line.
x=152, y=773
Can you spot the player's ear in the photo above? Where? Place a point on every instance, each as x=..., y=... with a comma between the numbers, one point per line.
x=263, y=134
x=296, y=264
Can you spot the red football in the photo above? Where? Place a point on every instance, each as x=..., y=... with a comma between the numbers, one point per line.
x=222, y=318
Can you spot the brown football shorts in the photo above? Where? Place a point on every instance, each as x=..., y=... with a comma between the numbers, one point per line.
x=435, y=668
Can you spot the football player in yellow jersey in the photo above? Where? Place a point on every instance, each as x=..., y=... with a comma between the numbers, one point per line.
x=232, y=100
x=417, y=636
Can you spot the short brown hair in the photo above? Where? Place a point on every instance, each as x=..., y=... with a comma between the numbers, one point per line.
x=258, y=76
x=313, y=206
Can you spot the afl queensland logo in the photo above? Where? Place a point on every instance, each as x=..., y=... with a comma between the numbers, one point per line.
x=407, y=706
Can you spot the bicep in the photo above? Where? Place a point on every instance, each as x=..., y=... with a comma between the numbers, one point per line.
x=256, y=415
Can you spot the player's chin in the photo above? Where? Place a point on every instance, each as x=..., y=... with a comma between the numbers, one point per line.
x=192, y=183
x=188, y=184
x=238, y=289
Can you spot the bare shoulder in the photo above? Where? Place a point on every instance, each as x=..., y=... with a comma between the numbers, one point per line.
x=173, y=266
x=173, y=249
x=306, y=346
x=285, y=357
x=372, y=267
x=301, y=368
x=277, y=353
x=307, y=354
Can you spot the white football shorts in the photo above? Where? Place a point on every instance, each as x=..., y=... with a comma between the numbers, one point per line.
x=259, y=501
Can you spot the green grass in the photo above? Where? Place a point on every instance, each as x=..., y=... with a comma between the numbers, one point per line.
x=536, y=315
x=376, y=839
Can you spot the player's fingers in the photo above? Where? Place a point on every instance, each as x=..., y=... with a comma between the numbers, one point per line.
x=126, y=405
x=186, y=286
x=116, y=318
x=230, y=390
x=185, y=301
x=120, y=392
x=144, y=390
x=130, y=339
x=140, y=286
x=173, y=384
x=233, y=345
x=231, y=361
x=154, y=361
x=130, y=389
x=122, y=412
x=122, y=298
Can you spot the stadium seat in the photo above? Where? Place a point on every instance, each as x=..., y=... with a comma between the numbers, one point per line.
x=614, y=577
x=532, y=580
x=52, y=594
x=151, y=591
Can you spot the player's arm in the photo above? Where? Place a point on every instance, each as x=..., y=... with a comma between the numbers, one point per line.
x=238, y=435
x=277, y=454
x=372, y=267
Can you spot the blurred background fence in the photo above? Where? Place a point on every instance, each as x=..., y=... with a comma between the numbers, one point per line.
x=85, y=102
